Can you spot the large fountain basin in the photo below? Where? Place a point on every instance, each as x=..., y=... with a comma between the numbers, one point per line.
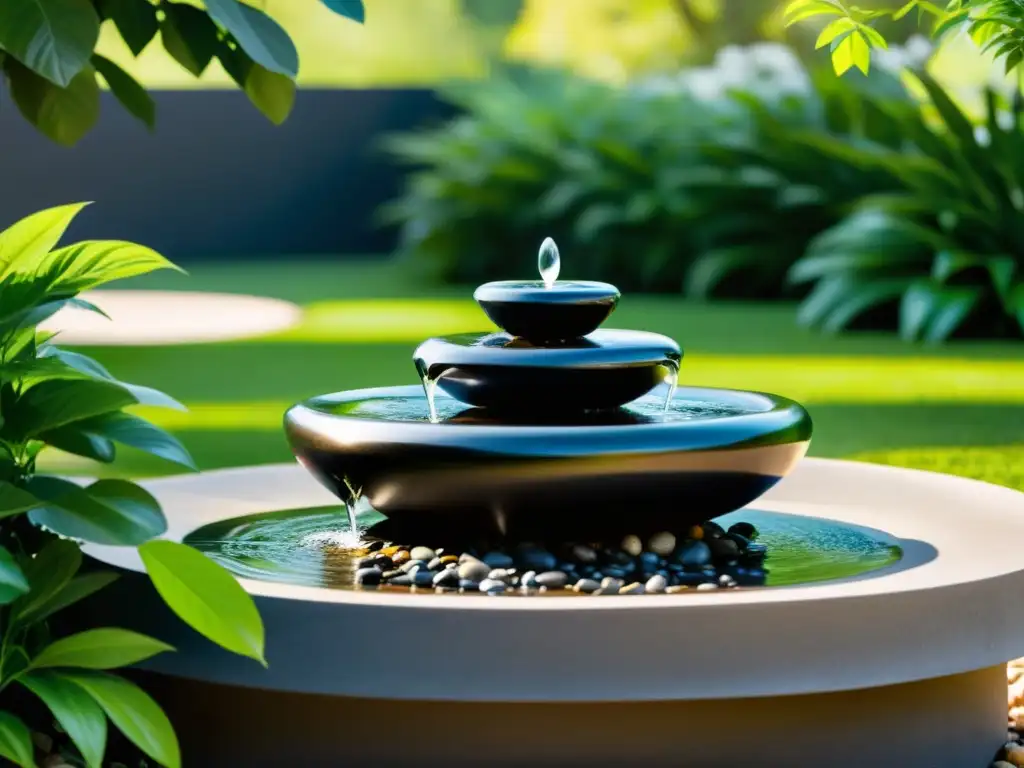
x=714, y=451
x=902, y=668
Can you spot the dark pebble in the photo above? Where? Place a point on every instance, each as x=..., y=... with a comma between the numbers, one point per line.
x=712, y=529
x=423, y=578
x=492, y=586
x=405, y=580
x=368, y=576
x=742, y=541
x=581, y=553
x=586, y=586
x=694, y=554
x=384, y=562
x=615, y=573
x=552, y=579
x=375, y=545
x=649, y=562
x=755, y=551
x=367, y=562
x=446, y=578
x=470, y=585
x=656, y=584
x=746, y=530
x=474, y=570
x=688, y=579
x=724, y=548
x=498, y=560
x=537, y=559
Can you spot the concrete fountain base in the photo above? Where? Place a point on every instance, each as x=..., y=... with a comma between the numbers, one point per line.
x=901, y=667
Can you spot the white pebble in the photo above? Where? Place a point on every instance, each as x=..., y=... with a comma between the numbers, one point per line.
x=663, y=544
x=632, y=545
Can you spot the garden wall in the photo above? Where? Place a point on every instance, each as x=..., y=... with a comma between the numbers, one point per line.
x=216, y=179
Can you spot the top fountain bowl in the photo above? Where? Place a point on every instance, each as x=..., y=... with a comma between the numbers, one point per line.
x=542, y=312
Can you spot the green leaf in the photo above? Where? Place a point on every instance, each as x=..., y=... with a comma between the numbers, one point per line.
x=126, y=89
x=111, y=512
x=79, y=588
x=799, y=10
x=63, y=114
x=14, y=500
x=53, y=38
x=129, y=429
x=815, y=266
x=916, y=308
x=54, y=403
x=13, y=583
x=15, y=741
x=833, y=30
x=103, y=648
x=954, y=307
x=72, y=440
x=714, y=267
x=258, y=35
x=24, y=244
x=271, y=93
x=868, y=295
x=136, y=20
x=134, y=713
x=860, y=51
x=48, y=573
x=189, y=35
x=92, y=263
x=352, y=9
x=205, y=596
x=78, y=714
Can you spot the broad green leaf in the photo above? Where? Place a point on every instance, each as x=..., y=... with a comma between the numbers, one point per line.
x=189, y=35
x=129, y=429
x=13, y=583
x=112, y=512
x=815, y=266
x=15, y=741
x=127, y=90
x=271, y=93
x=78, y=361
x=712, y=268
x=53, y=404
x=53, y=38
x=77, y=712
x=14, y=500
x=954, y=307
x=71, y=439
x=799, y=10
x=205, y=596
x=79, y=588
x=134, y=713
x=258, y=35
x=860, y=51
x=136, y=20
x=24, y=244
x=48, y=573
x=63, y=114
x=872, y=36
x=916, y=308
x=842, y=54
x=833, y=30
x=352, y=9
x=103, y=648
x=235, y=61
x=867, y=296
x=91, y=263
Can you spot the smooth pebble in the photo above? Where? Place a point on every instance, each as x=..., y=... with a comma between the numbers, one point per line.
x=474, y=570
x=492, y=586
x=632, y=545
x=586, y=586
x=656, y=584
x=636, y=588
x=422, y=553
x=662, y=543
x=552, y=579
x=498, y=560
x=368, y=576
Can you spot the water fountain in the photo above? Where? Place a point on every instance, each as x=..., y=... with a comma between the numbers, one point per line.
x=555, y=459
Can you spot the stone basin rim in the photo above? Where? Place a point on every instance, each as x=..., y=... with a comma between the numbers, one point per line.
x=770, y=404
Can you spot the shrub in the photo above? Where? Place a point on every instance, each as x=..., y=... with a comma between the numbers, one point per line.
x=51, y=397
x=944, y=254
x=669, y=183
x=49, y=63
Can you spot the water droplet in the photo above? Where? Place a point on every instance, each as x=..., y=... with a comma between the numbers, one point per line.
x=549, y=262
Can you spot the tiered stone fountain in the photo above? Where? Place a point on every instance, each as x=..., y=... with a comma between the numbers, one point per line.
x=878, y=638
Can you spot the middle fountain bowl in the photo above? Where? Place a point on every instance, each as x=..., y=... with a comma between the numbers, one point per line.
x=582, y=474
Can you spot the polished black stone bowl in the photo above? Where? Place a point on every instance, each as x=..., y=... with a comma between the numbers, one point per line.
x=567, y=309
x=606, y=369
x=632, y=470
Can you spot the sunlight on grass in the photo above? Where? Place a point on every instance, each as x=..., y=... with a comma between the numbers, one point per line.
x=384, y=320
x=999, y=464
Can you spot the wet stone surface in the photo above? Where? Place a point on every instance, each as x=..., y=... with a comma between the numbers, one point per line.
x=702, y=558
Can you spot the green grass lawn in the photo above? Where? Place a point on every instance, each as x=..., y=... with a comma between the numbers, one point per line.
x=958, y=407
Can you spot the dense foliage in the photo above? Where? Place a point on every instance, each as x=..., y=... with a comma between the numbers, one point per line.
x=851, y=33
x=666, y=186
x=49, y=61
x=944, y=254
x=54, y=398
